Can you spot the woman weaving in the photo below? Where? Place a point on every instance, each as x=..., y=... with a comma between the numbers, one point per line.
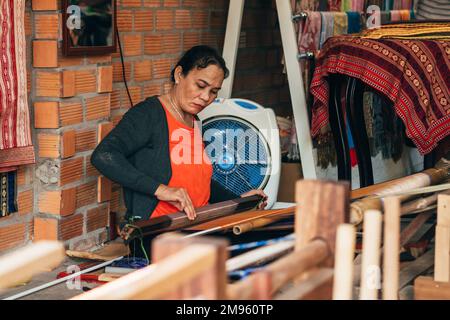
x=142, y=153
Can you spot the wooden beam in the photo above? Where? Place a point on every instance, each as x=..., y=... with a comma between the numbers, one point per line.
x=370, y=266
x=211, y=284
x=155, y=281
x=317, y=286
x=391, y=252
x=442, y=257
x=343, y=270
x=19, y=266
x=321, y=207
x=425, y=288
x=416, y=268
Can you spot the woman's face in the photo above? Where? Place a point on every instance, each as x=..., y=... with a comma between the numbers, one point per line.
x=198, y=89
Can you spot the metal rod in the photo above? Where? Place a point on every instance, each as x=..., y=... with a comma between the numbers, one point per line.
x=54, y=283
x=305, y=55
x=300, y=16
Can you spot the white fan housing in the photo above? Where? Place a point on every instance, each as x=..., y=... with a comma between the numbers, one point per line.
x=242, y=139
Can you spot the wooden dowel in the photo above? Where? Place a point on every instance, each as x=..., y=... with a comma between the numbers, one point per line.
x=154, y=281
x=391, y=252
x=284, y=269
x=370, y=266
x=19, y=266
x=442, y=256
x=261, y=254
x=344, y=256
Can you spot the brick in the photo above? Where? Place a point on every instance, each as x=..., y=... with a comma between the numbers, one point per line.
x=85, y=140
x=12, y=236
x=105, y=79
x=22, y=175
x=48, y=84
x=49, y=145
x=191, y=39
x=98, y=107
x=103, y=130
x=172, y=43
x=68, y=141
x=71, y=227
x=64, y=61
x=45, y=229
x=97, y=218
x=183, y=19
x=45, y=53
x=171, y=3
x=70, y=113
x=125, y=20
x=118, y=73
x=85, y=81
x=115, y=201
x=165, y=20
x=130, y=3
x=71, y=171
x=153, y=44
x=132, y=45
x=99, y=59
x=143, y=21
x=46, y=26
x=116, y=119
x=136, y=96
x=46, y=115
x=28, y=24
x=61, y=202
x=68, y=83
x=103, y=189
x=86, y=194
x=116, y=98
x=25, y=202
x=152, y=90
x=200, y=20
x=90, y=169
x=152, y=3
x=162, y=68
x=45, y=5
x=143, y=70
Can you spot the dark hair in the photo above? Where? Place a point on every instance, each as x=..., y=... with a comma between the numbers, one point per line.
x=200, y=57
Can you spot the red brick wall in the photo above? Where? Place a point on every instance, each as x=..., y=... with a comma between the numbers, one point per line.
x=75, y=100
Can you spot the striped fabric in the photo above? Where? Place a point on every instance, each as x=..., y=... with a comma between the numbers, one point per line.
x=15, y=136
x=433, y=10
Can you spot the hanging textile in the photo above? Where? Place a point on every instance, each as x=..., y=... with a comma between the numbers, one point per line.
x=413, y=74
x=8, y=193
x=340, y=23
x=327, y=27
x=15, y=136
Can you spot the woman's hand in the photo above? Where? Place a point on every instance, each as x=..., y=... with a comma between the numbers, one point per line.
x=178, y=197
x=263, y=203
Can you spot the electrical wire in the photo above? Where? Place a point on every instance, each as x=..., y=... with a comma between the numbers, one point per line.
x=123, y=68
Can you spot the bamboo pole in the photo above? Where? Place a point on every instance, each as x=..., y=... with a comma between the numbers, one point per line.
x=19, y=266
x=391, y=254
x=343, y=270
x=370, y=266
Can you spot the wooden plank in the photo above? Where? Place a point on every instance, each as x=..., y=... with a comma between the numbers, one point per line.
x=343, y=270
x=442, y=257
x=416, y=268
x=180, y=220
x=211, y=284
x=19, y=266
x=154, y=281
x=391, y=252
x=370, y=265
x=321, y=207
x=425, y=288
x=317, y=286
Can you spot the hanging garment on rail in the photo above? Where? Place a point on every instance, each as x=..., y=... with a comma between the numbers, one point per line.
x=16, y=147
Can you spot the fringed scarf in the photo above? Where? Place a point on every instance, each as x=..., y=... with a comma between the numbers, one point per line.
x=16, y=146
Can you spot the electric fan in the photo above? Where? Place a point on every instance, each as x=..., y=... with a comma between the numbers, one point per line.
x=242, y=140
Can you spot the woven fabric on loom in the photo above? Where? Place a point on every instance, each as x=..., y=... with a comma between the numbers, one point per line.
x=434, y=30
x=413, y=74
x=15, y=135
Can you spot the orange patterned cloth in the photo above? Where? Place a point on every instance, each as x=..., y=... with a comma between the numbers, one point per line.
x=413, y=74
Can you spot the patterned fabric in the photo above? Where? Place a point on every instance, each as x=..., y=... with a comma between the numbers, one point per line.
x=15, y=135
x=327, y=27
x=413, y=74
x=340, y=23
x=8, y=193
x=435, y=30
